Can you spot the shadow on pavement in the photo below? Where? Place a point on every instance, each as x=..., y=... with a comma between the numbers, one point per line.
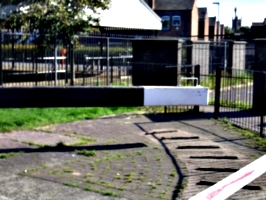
x=63, y=148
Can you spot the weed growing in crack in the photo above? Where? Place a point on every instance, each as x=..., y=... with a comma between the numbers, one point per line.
x=88, y=175
x=173, y=173
x=86, y=153
x=67, y=170
x=129, y=177
x=71, y=184
x=8, y=155
x=107, y=169
x=93, y=166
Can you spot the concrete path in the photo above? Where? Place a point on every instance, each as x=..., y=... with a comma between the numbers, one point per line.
x=132, y=156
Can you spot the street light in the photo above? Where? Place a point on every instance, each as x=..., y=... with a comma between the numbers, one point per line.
x=218, y=24
x=217, y=3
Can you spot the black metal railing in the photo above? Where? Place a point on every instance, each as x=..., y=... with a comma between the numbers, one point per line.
x=237, y=100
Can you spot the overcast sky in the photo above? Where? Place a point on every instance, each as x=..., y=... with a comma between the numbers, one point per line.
x=247, y=10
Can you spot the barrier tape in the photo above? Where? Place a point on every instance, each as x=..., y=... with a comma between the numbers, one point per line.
x=234, y=182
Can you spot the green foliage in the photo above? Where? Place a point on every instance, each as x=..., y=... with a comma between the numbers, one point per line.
x=228, y=30
x=209, y=81
x=10, y=2
x=63, y=18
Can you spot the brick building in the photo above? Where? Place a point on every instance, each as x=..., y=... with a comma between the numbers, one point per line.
x=203, y=30
x=258, y=29
x=180, y=17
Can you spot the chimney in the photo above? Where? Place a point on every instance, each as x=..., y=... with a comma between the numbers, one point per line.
x=151, y=3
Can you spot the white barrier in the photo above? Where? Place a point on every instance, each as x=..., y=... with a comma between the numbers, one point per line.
x=168, y=96
x=234, y=182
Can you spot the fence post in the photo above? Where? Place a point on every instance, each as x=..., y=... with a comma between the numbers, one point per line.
x=197, y=75
x=72, y=72
x=55, y=61
x=258, y=82
x=1, y=64
x=13, y=49
x=262, y=112
x=112, y=69
x=179, y=61
x=217, y=93
x=107, y=61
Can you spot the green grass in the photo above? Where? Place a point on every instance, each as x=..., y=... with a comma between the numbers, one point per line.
x=227, y=80
x=260, y=141
x=30, y=118
x=86, y=153
x=8, y=155
x=232, y=104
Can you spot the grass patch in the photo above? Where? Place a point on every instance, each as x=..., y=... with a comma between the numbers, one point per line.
x=84, y=140
x=8, y=155
x=30, y=118
x=227, y=80
x=67, y=170
x=86, y=153
x=71, y=184
x=109, y=193
x=259, y=141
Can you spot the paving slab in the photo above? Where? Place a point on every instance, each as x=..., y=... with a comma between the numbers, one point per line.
x=134, y=156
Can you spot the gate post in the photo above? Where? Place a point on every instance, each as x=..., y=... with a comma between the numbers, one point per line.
x=72, y=70
x=237, y=55
x=200, y=53
x=197, y=75
x=217, y=93
x=259, y=97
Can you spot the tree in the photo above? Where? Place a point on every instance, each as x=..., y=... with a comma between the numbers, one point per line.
x=61, y=18
x=57, y=19
x=228, y=30
x=9, y=2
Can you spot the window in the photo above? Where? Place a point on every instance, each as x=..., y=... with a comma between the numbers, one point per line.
x=176, y=20
x=166, y=23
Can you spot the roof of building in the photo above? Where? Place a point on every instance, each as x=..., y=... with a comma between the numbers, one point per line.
x=259, y=23
x=202, y=13
x=131, y=14
x=174, y=4
x=212, y=21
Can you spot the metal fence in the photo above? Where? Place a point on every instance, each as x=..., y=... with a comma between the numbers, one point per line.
x=234, y=99
x=93, y=61
x=102, y=61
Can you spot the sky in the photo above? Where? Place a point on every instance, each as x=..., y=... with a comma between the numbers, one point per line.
x=247, y=10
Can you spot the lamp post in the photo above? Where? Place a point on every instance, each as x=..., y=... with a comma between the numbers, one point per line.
x=218, y=4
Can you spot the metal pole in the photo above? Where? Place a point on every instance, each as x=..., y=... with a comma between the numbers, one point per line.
x=263, y=110
x=218, y=4
x=71, y=64
x=197, y=75
x=55, y=62
x=225, y=59
x=13, y=49
x=107, y=61
x=1, y=66
x=217, y=93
